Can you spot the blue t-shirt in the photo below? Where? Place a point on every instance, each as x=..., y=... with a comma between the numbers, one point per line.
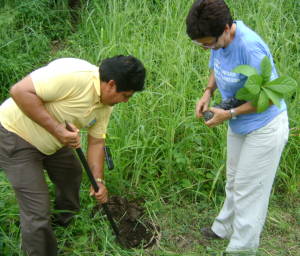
x=247, y=48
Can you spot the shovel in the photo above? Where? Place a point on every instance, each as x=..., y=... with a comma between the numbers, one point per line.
x=96, y=188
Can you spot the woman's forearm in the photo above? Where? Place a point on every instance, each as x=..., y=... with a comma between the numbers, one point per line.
x=247, y=109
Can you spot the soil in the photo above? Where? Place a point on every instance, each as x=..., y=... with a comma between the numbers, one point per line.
x=135, y=230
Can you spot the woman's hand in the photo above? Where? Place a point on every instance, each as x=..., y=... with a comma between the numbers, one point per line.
x=202, y=104
x=220, y=115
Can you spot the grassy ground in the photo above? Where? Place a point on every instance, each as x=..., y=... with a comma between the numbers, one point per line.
x=161, y=151
x=178, y=232
x=181, y=224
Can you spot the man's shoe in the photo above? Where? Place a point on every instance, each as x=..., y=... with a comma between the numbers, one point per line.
x=208, y=234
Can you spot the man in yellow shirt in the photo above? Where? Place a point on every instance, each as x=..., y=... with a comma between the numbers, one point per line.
x=34, y=138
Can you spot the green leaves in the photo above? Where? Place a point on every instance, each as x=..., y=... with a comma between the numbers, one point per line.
x=246, y=70
x=282, y=84
x=254, y=100
x=244, y=94
x=266, y=69
x=253, y=84
x=259, y=89
x=263, y=102
x=273, y=97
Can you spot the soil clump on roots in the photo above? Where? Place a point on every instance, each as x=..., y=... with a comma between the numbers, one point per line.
x=127, y=215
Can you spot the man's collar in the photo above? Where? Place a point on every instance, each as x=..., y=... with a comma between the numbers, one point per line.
x=97, y=82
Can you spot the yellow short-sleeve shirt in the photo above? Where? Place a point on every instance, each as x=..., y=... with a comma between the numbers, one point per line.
x=70, y=90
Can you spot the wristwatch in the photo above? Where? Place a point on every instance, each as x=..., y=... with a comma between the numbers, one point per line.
x=232, y=113
x=100, y=180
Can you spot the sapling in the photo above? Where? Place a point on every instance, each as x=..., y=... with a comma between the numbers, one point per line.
x=259, y=89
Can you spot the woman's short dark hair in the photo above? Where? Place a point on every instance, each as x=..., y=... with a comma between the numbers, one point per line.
x=207, y=18
x=127, y=71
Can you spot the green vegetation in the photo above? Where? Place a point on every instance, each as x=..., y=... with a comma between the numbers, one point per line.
x=161, y=151
x=259, y=89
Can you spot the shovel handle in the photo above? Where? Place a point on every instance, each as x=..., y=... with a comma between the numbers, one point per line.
x=96, y=188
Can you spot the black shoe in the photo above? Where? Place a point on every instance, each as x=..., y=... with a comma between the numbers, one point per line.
x=208, y=234
x=56, y=223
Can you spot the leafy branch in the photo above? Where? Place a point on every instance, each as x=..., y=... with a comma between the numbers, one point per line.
x=259, y=89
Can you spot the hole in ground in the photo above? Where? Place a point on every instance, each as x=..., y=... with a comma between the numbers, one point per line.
x=127, y=216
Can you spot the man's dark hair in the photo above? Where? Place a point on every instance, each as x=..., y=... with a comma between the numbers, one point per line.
x=207, y=18
x=127, y=71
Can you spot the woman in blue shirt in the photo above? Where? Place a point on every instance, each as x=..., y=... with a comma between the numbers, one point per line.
x=255, y=141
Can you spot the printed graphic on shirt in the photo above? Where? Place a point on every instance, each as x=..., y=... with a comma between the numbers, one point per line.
x=228, y=82
x=224, y=76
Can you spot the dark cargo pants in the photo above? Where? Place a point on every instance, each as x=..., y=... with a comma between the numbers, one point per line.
x=24, y=166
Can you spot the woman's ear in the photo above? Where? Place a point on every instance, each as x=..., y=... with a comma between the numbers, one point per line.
x=227, y=28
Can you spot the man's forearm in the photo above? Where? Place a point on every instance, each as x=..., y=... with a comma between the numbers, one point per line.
x=95, y=156
x=24, y=95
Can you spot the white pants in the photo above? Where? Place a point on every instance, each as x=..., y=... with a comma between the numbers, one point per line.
x=252, y=163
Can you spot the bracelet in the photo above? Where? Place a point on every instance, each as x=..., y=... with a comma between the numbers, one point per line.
x=100, y=180
x=211, y=90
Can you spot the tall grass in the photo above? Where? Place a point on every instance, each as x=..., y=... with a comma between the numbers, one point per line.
x=161, y=151
x=26, y=30
x=160, y=142
x=156, y=144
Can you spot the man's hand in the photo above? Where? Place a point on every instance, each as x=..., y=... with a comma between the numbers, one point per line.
x=220, y=115
x=68, y=139
x=202, y=104
x=95, y=156
x=102, y=194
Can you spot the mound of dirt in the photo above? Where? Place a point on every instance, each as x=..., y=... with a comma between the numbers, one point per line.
x=127, y=215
